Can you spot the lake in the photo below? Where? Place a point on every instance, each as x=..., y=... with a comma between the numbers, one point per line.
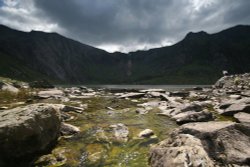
x=166, y=87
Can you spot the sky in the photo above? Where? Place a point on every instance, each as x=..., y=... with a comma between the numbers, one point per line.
x=124, y=25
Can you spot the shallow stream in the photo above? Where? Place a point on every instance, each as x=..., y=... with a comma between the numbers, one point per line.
x=96, y=145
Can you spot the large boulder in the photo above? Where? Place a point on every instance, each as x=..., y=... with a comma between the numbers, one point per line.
x=226, y=142
x=181, y=151
x=235, y=82
x=25, y=131
x=193, y=116
x=192, y=112
x=9, y=87
x=242, y=105
x=242, y=117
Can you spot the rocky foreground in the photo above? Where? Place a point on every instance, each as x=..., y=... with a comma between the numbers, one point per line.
x=214, y=123
x=210, y=142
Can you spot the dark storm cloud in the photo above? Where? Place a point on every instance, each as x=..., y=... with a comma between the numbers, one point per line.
x=129, y=24
x=114, y=21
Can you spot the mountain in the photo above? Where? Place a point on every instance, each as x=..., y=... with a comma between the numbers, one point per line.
x=35, y=55
x=197, y=59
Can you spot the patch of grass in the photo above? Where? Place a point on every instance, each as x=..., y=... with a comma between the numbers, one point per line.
x=7, y=97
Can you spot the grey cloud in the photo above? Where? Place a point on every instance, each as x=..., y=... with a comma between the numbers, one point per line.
x=238, y=12
x=115, y=21
x=133, y=23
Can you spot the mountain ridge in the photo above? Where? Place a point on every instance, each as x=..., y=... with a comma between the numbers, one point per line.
x=198, y=58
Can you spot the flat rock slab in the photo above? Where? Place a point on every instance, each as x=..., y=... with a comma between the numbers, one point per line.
x=242, y=117
x=27, y=130
x=50, y=93
x=180, y=151
x=207, y=127
x=153, y=90
x=193, y=116
x=132, y=95
x=235, y=108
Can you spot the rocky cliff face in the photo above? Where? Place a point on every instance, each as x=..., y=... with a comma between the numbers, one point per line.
x=198, y=58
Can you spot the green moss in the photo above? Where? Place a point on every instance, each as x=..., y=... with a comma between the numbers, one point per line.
x=8, y=98
x=97, y=139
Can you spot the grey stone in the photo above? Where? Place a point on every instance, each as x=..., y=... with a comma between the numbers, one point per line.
x=191, y=107
x=146, y=133
x=235, y=97
x=224, y=141
x=68, y=129
x=10, y=88
x=27, y=130
x=121, y=132
x=153, y=90
x=180, y=151
x=193, y=116
x=235, y=108
x=204, y=144
x=67, y=108
x=132, y=95
x=56, y=93
x=242, y=117
x=154, y=94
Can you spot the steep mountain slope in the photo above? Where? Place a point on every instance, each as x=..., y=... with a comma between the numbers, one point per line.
x=198, y=58
x=53, y=56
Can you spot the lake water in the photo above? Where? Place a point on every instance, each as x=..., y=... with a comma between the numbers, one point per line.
x=166, y=87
